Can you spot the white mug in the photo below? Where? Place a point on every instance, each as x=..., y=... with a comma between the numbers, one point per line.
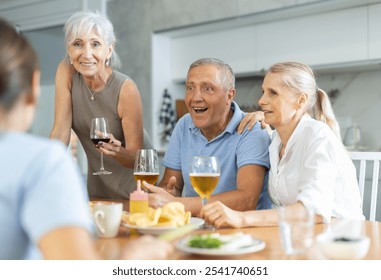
x=107, y=218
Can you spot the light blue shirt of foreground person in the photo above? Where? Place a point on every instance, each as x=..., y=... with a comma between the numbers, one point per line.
x=233, y=150
x=40, y=190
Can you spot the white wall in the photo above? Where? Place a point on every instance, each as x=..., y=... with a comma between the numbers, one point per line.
x=43, y=121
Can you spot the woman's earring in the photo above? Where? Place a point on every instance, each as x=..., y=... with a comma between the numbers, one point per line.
x=71, y=62
x=107, y=61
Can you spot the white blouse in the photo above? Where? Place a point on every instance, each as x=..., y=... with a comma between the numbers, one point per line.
x=316, y=170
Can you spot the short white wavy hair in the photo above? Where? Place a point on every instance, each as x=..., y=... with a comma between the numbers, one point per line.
x=84, y=22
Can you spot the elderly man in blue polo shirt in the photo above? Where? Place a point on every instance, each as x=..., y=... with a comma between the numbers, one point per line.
x=210, y=129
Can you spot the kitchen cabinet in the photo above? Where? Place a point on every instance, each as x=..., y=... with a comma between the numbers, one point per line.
x=327, y=38
x=374, y=31
x=234, y=45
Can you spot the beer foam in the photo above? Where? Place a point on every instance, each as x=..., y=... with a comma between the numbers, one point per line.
x=146, y=173
x=204, y=174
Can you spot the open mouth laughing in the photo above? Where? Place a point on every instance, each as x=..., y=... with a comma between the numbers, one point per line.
x=199, y=110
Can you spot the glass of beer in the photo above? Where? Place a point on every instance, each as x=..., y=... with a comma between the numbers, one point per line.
x=146, y=166
x=204, y=174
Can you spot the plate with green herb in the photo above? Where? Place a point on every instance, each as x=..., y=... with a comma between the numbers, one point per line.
x=215, y=244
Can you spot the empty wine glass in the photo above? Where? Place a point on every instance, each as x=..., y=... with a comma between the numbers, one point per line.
x=100, y=132
x=146, y=166
x=204, y=174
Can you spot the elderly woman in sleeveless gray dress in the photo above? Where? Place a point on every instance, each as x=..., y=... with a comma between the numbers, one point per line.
x=88, y=86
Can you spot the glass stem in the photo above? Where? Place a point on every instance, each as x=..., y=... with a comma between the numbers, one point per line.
x=204, y=201
x=206, y=225
x=102, y=167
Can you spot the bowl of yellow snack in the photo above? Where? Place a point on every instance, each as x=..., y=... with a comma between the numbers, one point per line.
x=159, y=220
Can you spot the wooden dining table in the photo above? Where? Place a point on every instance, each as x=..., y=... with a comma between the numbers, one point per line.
x=110, y=248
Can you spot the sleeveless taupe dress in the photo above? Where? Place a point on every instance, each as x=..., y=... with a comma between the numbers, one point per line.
x=120, y=183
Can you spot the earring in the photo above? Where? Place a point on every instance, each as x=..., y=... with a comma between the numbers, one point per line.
x=107, y=61
x=71, y=62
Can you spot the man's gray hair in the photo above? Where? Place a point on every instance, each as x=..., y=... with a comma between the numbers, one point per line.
x=226, y=72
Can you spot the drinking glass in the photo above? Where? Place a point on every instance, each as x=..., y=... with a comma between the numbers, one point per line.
x=296, y=230
x=146, y=166
x=204, y=174
x=100, y=132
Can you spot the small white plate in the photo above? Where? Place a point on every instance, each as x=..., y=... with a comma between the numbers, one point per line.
x=157, y=230
x=255, y=246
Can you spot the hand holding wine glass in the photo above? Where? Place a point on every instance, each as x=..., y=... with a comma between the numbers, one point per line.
x=146, y=166
x=100, y=131
x=204, y=175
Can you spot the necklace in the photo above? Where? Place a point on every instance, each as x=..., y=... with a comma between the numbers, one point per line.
x=91, y=93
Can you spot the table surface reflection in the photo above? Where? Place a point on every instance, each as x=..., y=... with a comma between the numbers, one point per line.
x=110, y=248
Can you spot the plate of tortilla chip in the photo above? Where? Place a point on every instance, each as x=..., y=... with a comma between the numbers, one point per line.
x=159, y=220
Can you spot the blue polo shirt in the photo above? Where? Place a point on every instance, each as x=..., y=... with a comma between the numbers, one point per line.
x=233, y=150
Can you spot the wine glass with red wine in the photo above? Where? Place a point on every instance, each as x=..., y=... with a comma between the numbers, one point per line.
x=100, y=131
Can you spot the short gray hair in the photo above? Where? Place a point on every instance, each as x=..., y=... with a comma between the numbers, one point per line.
x=226, y=72
x=84, y=22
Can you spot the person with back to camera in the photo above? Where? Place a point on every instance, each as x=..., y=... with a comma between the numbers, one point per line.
x=44, y=204
x=309, y=164
x=87, y=86
x=210, y=129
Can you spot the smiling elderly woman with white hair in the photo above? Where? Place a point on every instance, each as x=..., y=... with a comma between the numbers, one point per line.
x=88, y=85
